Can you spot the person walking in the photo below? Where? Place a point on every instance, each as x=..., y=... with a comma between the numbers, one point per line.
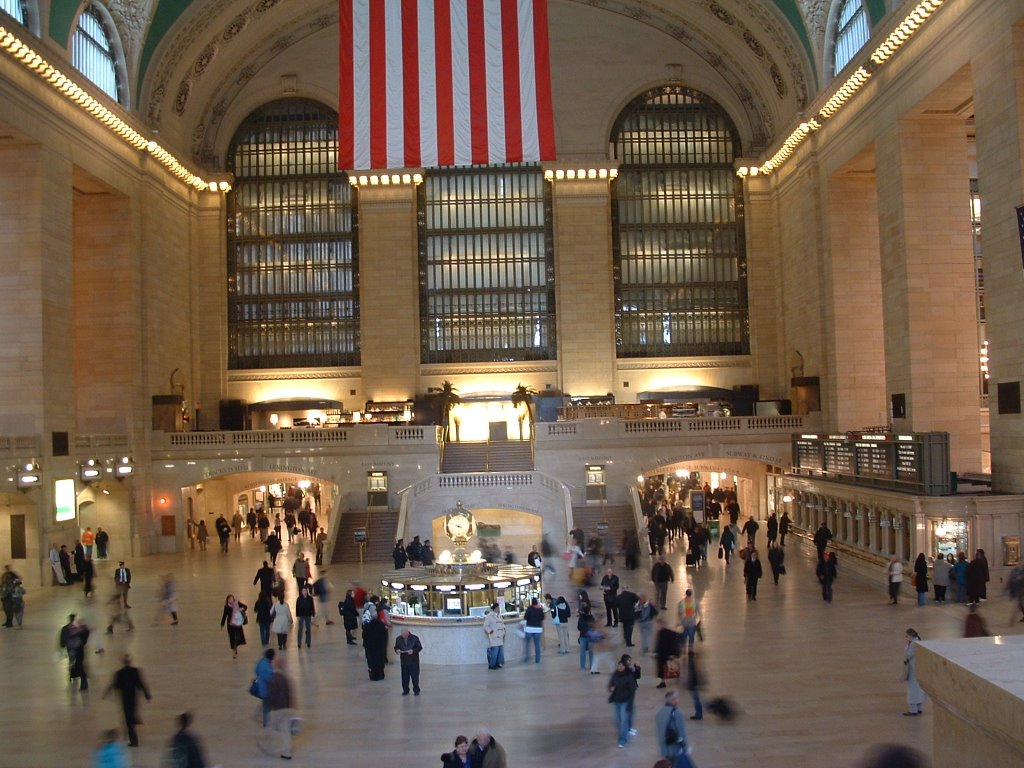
x=645, y=615
x=185, y=749
x=689, y=618
x=300, y=570
x=167, y=599
x=822, y=537
x=752, y=573
x=128, y=682
x=915, y=694
x=265, y=577
x=776, y=558
x=111, y=752
x=666, y=648
x=784, y=525
x=281, y=706
x=586, y=624
x=694, y=683
x=727, y=543
x=237, y=521
x=661, y=575
x=895, y=576
x=610, y=589
x=671, y=732
x=622, y=690
x=202, y=535
x=534, y=629
x=305, y=610
x=750, y=529
x=235, y=618
x=262, y=673
x=494, y=628
x=485, y=752
x=921, y=578
x=827, y=572
x=408, y=647
x=281, y=621
x=263, y=606
x=88, y=573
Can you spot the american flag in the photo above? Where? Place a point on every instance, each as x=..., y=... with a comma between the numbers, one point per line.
x=426, y=83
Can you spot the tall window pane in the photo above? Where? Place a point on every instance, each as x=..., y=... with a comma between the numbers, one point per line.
x=13, y=8
x=850, y=34
x=677, y=218
x=486, y=265
x=293, y=293
x=94, y=52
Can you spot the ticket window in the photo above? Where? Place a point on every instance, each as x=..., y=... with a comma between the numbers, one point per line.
x=377, y=489
x=596, y=488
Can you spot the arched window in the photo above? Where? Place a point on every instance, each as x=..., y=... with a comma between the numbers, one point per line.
x=677, y=218
x=293, y=293
x=96, y=52
x=487, y=290
x=850, y=33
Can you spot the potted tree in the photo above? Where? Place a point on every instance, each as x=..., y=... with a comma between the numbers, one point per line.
x=523, y=396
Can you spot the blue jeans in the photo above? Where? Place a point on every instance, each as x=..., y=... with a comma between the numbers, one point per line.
x=532, y=637
x=622, y=720
x=305, y=623
x=265, y=632
x=697, y=706
x=922, y=598
x=586, y=653
x=495, y=655
x=688, y=635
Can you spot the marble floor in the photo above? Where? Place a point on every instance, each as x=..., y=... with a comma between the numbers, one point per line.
x=816, y=684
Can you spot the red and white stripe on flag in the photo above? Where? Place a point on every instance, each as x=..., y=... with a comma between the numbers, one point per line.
x=426, y=83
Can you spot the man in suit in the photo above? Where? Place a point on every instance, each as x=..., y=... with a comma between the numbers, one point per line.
x=123, y=582
x=127, y=680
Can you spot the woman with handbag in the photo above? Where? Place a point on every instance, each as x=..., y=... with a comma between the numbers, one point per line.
x=234, y=617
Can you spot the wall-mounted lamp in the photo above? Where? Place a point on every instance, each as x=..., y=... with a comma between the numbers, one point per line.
x=91, y=471
x=125, y=468
x=29, y=476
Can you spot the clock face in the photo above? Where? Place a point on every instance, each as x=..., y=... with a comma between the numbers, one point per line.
x=459, y=526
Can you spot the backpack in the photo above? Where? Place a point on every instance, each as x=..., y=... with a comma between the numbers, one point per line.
x=671, y=732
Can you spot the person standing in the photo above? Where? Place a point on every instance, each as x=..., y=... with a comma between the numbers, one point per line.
x=234, y=617
x=827, y=572
x=960, y=576
x=661, y=575
x=88, y=541
x=185, y=750
x=458, y=757
x=645, y=613
x=671, y=731
x=123, y=582
x=773, y=529
x=349, y=616
x=625, y=605
x=398, y=555
x=375, y=644
x=585, y=624
x=202, y=535
x=977, y=577
x=534, y=618
x=320, y=540
x=915, y=694
x=622, y=690
x=822, y=537
x=752, y=573
x=58, y=572
x=610, y=589
x=408, y=647
x=281, y=621
x=895, y=576
x=128, y=681
x=563, y=613
x=237, y=521
x=689, y=618
x=305, y=610
x=18, y=602
x=280, y=704
x=776, y=557
x=784, y=524
x=428, y=554
x=941, y=572
x=494, y=628
x=250, y=522
x=7, y=582
x=921, y=578
x=102, y=542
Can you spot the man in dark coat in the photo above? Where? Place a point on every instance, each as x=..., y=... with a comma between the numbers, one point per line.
x=625, y=606
x=127, y=680
x=265, y=576
x=185, y=749
x=977, y=577
x=375, y=644
x=822, y=537
x=408, y=648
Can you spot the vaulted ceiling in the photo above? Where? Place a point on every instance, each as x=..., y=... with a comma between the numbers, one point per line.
x=198, y=67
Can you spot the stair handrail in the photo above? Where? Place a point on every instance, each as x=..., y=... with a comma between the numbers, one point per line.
x=334, y=525
x=403, y=512
x=638, y=511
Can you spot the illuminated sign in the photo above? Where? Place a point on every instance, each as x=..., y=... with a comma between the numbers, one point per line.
x=64, y=499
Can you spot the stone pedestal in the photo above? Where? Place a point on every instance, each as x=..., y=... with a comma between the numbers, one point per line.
x=977, y=687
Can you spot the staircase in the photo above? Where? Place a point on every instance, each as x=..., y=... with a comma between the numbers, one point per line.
x=489, y=456
x=618, y=519
x=380, y=535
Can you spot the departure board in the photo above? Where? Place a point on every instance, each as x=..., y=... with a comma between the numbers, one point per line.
x=915, y=463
